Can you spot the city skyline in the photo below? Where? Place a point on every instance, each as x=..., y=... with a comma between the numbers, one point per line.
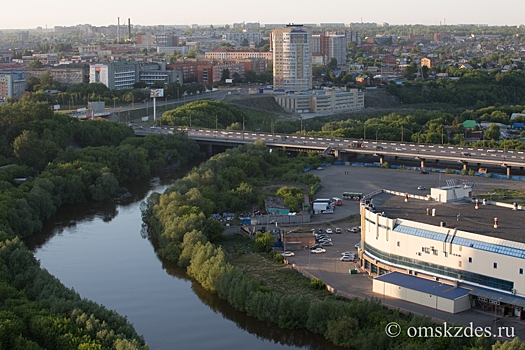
x=99, y=13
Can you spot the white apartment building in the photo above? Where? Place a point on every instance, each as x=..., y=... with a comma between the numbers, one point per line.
x=12, y=84
x=322, y=101
x=292, y=66
x=458, y=255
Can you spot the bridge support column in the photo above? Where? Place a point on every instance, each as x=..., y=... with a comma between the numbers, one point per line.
x=465, y=166
x=395, y=157
x=508, y=171
x=437, y=161
x=479, y=165
x=422, y=163
x=381, y=159
x=209, y=151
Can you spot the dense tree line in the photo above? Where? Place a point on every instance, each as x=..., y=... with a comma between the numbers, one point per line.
x=64, y=162
x=474, y=89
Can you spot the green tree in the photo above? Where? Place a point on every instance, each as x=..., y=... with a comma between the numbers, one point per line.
x=492, y=133
x=263, y=242
x=35, y=64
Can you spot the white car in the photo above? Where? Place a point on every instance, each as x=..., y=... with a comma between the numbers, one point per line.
x=347, y=258
x=320, y=168
x=287, y=253
x=329, y=230
x=353, y=230
x=318, y=250
x=399, y=149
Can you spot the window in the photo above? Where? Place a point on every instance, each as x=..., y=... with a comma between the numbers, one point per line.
x=398, y=244
x=459, y=263
x=495, y=265
x=469, y=260
x=521, y=271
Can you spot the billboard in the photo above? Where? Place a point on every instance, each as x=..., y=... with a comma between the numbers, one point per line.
x=229, y=81
x=153, y=93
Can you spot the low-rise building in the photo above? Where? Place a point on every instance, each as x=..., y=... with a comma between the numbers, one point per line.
x=323, y=101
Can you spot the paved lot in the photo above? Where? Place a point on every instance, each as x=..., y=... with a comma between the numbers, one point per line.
x=335, y=273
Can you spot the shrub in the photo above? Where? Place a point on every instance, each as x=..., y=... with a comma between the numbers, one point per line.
x=317, y=284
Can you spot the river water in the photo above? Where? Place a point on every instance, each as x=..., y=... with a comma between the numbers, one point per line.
x=98, y=249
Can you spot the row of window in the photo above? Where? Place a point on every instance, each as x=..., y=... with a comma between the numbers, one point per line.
x=466, y=242
x=473, y=277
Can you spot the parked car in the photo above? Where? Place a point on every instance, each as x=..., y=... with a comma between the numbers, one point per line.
x=358, y=245
x=353, y=230
x=347, y=258
x=421, y=188
x=320, y=168
x=287, y=253
x=315, y=246
x=346, y=253
x=338, y=230
x=329, y=230
x=320, y=230
x=424, y=172
x=318, y=251
x=326, y=243
x=328, y=211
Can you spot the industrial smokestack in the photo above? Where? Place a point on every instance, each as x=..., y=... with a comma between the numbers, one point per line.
x=118, y=30
x=129, y=29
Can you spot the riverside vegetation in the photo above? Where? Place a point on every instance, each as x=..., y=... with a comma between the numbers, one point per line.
x=252, y=279
x=65, y=162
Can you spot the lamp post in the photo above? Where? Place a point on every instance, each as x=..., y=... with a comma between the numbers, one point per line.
x=364, y=131
x=418, y=141
x=271, y=126
x=301, y=117
x=243, y=128
x=377, y=144
x=441, y=134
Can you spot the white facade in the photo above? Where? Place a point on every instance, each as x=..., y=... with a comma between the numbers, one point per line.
x=292, y=66
x=471, y=259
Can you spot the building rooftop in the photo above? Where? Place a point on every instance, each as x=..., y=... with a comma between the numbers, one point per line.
x=422, y=285
x=480, y=221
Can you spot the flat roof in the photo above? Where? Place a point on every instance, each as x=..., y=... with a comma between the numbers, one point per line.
x=423, y=285
x=480, y=221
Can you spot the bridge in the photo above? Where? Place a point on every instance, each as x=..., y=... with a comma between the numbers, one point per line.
x=343, y=148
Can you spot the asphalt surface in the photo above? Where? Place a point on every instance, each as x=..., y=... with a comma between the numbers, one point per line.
x=335, y=273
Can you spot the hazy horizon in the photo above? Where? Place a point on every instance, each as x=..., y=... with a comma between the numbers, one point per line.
x=102, y=13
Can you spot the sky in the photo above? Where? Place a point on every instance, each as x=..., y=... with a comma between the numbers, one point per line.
x=30, y=14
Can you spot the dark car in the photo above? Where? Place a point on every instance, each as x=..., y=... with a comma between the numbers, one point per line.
x=379, y=147
x=466, y=154
x=424, y=172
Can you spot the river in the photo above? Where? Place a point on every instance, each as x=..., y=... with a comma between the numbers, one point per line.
x=98, y=249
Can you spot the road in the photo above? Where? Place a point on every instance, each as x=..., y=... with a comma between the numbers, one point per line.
x=504, y=158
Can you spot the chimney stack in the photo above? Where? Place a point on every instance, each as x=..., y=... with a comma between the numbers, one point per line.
x=129, y=29
x=118, y=30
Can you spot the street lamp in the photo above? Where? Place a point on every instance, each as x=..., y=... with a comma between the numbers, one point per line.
x=418, y=141
x=377, y=144
x=243, y=128
x=441, y=134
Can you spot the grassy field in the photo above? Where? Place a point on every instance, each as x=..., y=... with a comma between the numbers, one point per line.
x=264, y=267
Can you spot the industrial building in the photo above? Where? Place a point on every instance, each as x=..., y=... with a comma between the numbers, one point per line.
x=438, y=249
x=322, y=101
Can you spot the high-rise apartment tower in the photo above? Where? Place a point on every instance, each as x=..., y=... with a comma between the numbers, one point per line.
x=292, y=58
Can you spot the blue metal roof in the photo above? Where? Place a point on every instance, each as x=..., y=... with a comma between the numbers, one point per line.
x=466, y=242
x=422, y=285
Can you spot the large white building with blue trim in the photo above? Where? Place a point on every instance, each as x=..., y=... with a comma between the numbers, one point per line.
x=479, y=248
